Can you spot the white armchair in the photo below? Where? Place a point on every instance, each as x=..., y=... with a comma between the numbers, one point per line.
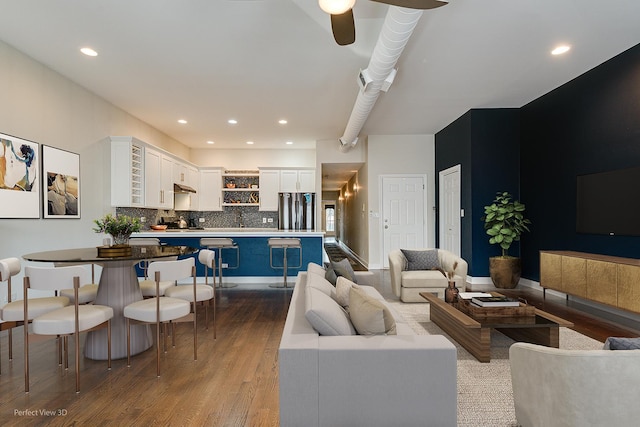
x=556, y=387
x=407, y=284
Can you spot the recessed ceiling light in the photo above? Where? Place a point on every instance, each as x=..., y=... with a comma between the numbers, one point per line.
x=210, y=142
x=282, y=122
x=289, y=142
x=561, y=49
x=232, y=121
x=182, y=121
x=88, y=51
x=250, y=142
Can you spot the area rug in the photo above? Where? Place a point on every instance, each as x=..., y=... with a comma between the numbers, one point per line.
x=336, y=253
x=485, y=396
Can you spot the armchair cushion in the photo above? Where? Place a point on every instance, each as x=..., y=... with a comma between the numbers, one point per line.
x=421, y=259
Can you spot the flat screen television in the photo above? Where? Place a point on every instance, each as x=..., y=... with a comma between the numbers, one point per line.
x=608, y=203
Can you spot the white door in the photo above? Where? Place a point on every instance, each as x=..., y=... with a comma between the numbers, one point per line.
x=450, y=212
x=403, y=213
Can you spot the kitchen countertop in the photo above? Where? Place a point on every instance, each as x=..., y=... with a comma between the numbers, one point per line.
x=229, y=232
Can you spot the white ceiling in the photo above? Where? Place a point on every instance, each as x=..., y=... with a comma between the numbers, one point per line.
x=262, y=60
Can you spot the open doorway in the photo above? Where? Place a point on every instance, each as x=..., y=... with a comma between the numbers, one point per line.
x=329, y=216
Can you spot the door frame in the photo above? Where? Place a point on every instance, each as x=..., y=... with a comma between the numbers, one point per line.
x=425, y=186
x=442, y=207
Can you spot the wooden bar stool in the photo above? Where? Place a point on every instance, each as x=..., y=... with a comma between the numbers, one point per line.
x=284, y=243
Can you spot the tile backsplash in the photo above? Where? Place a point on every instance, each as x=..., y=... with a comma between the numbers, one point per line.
x=231, y=216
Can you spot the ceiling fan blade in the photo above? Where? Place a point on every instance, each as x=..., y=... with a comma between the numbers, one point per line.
x=414, y=4
x=343, y=27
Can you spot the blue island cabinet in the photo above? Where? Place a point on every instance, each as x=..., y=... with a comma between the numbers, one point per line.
x=253, y=253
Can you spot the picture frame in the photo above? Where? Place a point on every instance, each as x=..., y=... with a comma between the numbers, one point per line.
x=60, y=183
x=20, y=181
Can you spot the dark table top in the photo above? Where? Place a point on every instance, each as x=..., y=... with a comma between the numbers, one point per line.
x=90, y=255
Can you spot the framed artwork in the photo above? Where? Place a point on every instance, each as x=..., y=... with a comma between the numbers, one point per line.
x=19, y=178
x=61, y=183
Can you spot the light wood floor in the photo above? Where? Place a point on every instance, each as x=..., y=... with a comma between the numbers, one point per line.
x=234, y=382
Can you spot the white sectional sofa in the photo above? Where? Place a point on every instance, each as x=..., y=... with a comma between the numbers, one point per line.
x=357, y=380
x=407, y=283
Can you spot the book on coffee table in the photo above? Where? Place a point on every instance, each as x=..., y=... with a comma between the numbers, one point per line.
x=470, y=295
x=495, y=302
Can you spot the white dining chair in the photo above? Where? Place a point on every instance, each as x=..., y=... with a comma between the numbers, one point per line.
x=203, y=293
x=148, y=286
x=9, y=267
x=66, y=321
x=163, y=310
x=87, y=292
x=15, y=311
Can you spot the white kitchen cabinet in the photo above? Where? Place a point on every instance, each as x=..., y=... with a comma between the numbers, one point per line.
x=127, y=172
x=269, y=187
x=210, y=190
x=298, y=180
x=158, y=175
x=189, y=176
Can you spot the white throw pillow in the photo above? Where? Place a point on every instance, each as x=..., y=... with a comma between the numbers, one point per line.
x=368, y=315
x=322, y=284
x=325, y=315
x=343, y=288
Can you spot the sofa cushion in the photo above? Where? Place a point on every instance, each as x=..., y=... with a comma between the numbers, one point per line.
x=341, y=268
x=322, y=284
x=325, y=315
x=616, y=343
x=369, y=315
x=423, y=279
x=422, y=259
x=343, y=288
x=313, y=268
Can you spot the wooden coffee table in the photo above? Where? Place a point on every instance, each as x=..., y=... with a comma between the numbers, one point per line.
x=475, y=334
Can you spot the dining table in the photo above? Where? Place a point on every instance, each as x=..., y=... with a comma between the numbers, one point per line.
x=118, y=287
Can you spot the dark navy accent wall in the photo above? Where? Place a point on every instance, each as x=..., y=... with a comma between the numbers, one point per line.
x=591, y=124
x=453, y=147
x=485, y=142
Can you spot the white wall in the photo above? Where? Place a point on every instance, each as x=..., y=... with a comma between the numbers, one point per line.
x=398, y=154
x=40, y=105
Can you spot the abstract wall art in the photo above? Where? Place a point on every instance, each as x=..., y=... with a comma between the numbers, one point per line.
x=19, y=178
x=61, y=183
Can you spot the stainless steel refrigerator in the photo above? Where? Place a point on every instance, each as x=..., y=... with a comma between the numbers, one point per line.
x=296, y=211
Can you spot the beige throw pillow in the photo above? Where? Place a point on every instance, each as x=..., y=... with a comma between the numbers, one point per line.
x=325, y=315
x=368, y=315
x=343, y=288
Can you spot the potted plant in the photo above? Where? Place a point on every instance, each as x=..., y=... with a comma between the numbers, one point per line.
x=119, y=227
x=504, y=222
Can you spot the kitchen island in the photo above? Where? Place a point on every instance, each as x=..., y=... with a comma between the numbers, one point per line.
x=253, y=266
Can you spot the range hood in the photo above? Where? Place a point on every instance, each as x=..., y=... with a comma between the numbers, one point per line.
x=181, y=188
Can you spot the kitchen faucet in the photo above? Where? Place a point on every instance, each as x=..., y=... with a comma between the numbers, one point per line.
x=239, y=218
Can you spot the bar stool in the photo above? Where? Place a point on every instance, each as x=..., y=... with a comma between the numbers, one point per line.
x=284, y=243
x=219, y=244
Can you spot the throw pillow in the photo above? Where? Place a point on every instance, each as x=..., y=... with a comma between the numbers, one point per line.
x=322, y=284
x=368, y=315
x=343, y=288
x=422, y=260
x=615, y=343
x=325, y=315
x=341, y=268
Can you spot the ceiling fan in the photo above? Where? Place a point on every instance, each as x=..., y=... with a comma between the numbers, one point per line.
x=341, y=11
